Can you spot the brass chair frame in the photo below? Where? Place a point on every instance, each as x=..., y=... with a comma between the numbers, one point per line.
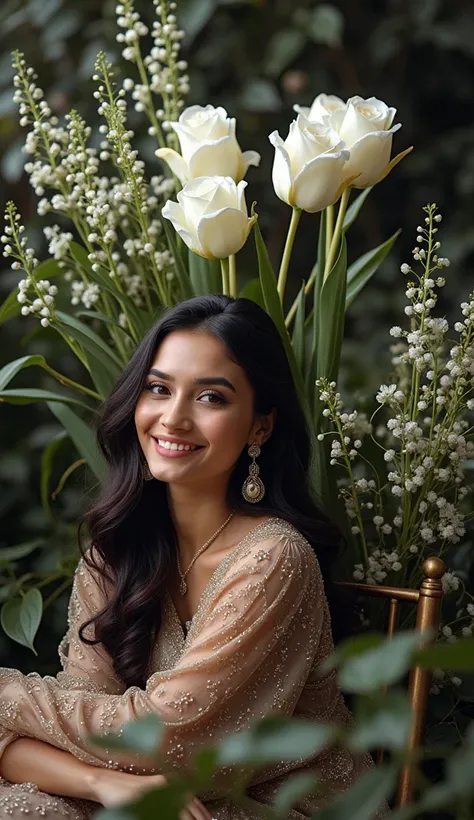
x=428, y=599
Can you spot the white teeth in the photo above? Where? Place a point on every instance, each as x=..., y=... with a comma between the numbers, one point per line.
x=171, y=445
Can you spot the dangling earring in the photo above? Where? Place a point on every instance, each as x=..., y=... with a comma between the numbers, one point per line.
x=147, y=475
x=253, y=488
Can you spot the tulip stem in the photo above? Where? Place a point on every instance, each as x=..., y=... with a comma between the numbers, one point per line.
x=232, y=276
x=225, y=277
x=336, y=237
x=285, y=260
x=329, y=227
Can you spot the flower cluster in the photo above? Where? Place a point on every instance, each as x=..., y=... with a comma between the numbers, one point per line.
x=411, y=499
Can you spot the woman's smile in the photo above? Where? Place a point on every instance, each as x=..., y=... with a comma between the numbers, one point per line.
x=174, y=448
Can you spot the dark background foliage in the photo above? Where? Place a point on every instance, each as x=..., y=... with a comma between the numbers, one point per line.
x=257, y=59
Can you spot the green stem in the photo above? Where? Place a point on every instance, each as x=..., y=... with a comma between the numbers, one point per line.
x=336, y=237
x=74, y=385
x=307, y=290
x=225, y=276
x=329, y=227
x=285, y=260
x=232, y=276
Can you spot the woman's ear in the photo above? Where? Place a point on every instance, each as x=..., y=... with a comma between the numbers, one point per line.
x=263, y=428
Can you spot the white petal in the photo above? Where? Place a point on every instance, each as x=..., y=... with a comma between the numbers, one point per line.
x=194, y=199
x=324, y=104
x=302, y=109
x=316, y=185
x=370, y=156
x=175, y=162
x=223, y=233
x=242, y=205
x=224, y=196
x=281, y=173
x=177, y=217
x=220, y=157
x=188, y=142
x=250, y=158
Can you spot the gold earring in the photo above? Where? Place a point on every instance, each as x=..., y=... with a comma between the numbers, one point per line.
x=147, y=474
x=253, y=488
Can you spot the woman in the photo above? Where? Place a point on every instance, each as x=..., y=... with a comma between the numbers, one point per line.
x=201, y=599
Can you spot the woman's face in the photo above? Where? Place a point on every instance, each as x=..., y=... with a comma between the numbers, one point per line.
x=196, y=399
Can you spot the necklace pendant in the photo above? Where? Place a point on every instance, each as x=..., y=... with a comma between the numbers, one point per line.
x=183, y=587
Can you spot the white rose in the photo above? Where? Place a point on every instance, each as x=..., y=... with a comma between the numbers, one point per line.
x=322, y=106
x=365, y=127
x=211, y=216
x=208, y=146
x=309, y=166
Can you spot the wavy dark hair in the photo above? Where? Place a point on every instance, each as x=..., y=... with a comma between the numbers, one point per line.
x=135, y=554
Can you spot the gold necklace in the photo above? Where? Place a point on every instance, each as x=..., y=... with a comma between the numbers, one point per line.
x=183, y=587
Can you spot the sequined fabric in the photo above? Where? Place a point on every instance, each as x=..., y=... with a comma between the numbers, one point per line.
x=253, y=648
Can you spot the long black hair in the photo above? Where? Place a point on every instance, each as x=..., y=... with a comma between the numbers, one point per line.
x=130, y=526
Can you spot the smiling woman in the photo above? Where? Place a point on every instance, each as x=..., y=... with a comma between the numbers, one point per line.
x=240, y=633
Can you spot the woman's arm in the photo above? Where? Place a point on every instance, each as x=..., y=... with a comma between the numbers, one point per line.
x=51, y=769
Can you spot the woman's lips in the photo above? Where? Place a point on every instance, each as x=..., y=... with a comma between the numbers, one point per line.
x=164, y=451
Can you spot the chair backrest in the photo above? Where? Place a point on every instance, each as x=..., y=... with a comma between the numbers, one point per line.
x=428, y=599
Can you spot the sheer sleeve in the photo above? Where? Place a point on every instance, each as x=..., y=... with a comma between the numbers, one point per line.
x=84, y=667
x=248, y=654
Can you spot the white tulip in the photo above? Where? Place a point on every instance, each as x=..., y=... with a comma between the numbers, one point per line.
x=309, y=166
x=365, y=127
x=208, y=146
x=211, y=216
x=322, y=106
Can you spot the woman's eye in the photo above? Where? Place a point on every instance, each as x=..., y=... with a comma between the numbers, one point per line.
x=156, y=388
x=213, y=398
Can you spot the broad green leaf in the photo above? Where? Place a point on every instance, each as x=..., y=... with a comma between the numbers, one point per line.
x=362, y=800
x=274, y=308
x=101, y=375
x=182, y=272
x=354, y=209
x=24, y=395
x=297, y=787
x=100, y=317
x=457, y=657
x=274, y=740
x=205, y=274
x=298, y=340
x=283, y=48
x=351, y=648
x=47, y=468
x=91, y=342
x=20, y=550
x=380, y=666
x=253, y=290
x=330, y=317
x=142, y=735
x=385, y=723
x=364, y=268
x=10, y=307
x=21, y=617
x=81, y=435
x=9, y=371
x=47, y=269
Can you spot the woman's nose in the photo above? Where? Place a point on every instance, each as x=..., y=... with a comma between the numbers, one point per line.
x=175, y=416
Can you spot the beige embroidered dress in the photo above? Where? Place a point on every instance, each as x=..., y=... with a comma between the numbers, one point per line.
x=253, y=648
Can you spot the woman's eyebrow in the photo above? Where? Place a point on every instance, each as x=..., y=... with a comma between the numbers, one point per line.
x=209, y=380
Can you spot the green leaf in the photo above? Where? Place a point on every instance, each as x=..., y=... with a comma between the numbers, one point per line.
x=364, y=268
x=298, y=340
x=297, y=787
x=205, y=274
x=101, y=317
x=380, y=666
x=143, y=735
x=284, y=47
x=326, y=25
x=21, y=617
x=10, y=307
x=253, y=290
x=182, y=272
x=362, y=800
x=274, y=309
x=274, y=740
x=354, y=209
x=24, y=395
x=9, y=371
x=91, y=342
x=20, y=550
x=47, y=468
x=331, y=315
x=457, y=657
x=47, y=269
x=383, y=722
x=81, y=435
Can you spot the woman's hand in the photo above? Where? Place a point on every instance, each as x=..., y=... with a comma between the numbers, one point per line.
x=112, y=788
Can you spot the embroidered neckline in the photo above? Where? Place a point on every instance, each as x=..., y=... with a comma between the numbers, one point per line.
x=216, y=576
